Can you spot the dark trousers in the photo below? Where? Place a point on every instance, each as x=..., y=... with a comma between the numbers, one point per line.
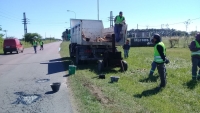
x=41, y=47
x=153, y=68
x=162, y=72
x=126, y=53
x=35, y=49
x=195, y=65
x=117, y=30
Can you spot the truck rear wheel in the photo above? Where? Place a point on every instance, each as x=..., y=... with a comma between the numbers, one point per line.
x=124, y=66
x=100, y=65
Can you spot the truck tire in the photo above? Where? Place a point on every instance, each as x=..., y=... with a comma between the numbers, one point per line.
x=100, y=66
x=124, y=66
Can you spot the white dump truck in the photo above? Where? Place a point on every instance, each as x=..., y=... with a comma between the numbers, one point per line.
x=91, y=41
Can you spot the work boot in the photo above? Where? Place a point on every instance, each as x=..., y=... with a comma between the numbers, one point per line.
x=162, y=85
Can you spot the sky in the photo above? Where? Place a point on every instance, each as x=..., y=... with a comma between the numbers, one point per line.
x=51, y=18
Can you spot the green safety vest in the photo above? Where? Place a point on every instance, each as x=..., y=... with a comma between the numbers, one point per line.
x=198, y=46
x=34, y=43
x=119, y=20
x=41, y=43
x=157, y=57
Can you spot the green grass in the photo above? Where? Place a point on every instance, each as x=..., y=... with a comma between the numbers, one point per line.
x=135, y=92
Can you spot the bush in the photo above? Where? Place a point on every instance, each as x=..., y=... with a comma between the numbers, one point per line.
x=173, y=42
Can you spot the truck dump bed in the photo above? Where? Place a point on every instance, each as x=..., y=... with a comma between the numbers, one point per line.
x=92, y=32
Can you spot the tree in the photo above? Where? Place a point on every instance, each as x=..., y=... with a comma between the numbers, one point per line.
x=64, y=35
x=193, y=33
x=30, y=36
x=1, y=37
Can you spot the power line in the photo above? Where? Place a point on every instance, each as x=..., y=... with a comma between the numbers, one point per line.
x=9, y=15
x=48, y=23
x=9, y=18
x=171, y=23
x=8, y=11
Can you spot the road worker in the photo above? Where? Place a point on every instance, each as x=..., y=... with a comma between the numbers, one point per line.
x=195, y=49
x=160, y=59
x=119, y=21
x=35, y=45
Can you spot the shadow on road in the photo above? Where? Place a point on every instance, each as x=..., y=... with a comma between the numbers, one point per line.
x=56, y=65
x=49, y=92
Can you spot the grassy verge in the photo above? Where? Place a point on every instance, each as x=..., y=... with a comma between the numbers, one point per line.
x=135, y=92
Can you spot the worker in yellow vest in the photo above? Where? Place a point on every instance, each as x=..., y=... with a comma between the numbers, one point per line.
x=119, y=21
x=35, y=45
x=41, y=45
x=160, y=59
x=195, y=49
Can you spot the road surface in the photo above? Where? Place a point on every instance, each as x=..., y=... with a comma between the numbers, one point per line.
x=25, y=80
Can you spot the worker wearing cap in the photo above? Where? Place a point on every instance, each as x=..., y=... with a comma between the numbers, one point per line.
x=195, y=49
x=119, y=21
x=160, y=59
x=35, y=45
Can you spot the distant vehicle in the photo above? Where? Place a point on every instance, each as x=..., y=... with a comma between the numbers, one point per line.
x=12, y=44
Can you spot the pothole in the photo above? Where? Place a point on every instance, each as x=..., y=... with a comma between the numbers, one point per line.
x=26, y=99
x=42, y=80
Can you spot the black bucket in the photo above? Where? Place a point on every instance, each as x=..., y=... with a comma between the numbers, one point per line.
x=102, y=76
x=114, y=79
x=55, y=86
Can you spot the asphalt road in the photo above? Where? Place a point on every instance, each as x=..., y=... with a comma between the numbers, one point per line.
x=25, y=80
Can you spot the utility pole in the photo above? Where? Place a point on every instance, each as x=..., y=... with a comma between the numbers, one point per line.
x=25, y=24
x=187, y=23
x=98, y=9
x=167, y=26
x=147, y=26
x=196, y=28
x=111, y=19
x=5, y=32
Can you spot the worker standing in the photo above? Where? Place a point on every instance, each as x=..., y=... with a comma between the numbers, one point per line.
x=119, y=21
x=35, y=45
x=126, y=48
x=195, y=49
x=41, y=45
x=160, y=59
